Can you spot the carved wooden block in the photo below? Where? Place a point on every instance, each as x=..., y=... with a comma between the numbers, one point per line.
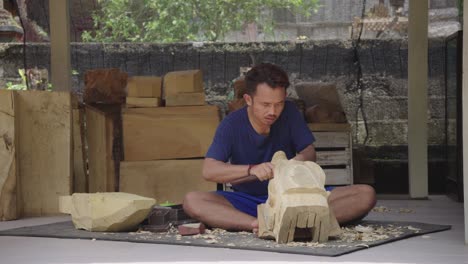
x=111, y=212
x=297, y=206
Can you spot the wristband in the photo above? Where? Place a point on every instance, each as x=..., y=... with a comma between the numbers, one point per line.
x=248, y=170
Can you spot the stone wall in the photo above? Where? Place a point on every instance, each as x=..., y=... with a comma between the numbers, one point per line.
x=383, y=64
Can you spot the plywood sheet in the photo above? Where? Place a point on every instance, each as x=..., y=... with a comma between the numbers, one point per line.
x=99, y=138
x=8, y=187
x=44, y=150
x=164, y=180
x=80, y=178
x=168, y=132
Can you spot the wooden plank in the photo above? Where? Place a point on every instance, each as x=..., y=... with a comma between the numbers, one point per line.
x=44, y=137
x=337, y=157
x=189, y=81
x=8, y=171
x=164, y=180
x=99, y=137
x=331, y=139
x=144, y=86
x=80, y=178
x=329, y=127
x=185, y=99
x=143, y=102
x=168, y=132
x=337, y=176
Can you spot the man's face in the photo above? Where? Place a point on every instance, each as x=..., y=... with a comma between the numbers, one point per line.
x=267, y=103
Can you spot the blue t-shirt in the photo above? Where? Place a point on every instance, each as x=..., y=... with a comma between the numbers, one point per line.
x=237, y=141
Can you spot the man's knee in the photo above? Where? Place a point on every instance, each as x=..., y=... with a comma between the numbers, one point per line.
x=191, y=200
x=367, y=196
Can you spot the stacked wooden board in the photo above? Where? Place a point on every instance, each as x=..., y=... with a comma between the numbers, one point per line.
x=184, y=88
x=334, y=151
x=144, y=91
x=164, y=146
x=103, y=138
x=35, y=152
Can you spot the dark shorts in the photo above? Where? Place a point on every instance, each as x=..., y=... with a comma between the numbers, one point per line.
x=248, y=203
x=244, y=202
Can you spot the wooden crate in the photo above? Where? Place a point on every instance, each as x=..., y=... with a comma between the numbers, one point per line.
x=80, y=174
x=334, y=152
x=102, y=137
x=168, y=132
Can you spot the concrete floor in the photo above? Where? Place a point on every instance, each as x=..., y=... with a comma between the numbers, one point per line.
x=443, y=247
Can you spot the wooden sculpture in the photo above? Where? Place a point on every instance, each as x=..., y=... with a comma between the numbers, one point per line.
x=111, y=212
x=297, y=206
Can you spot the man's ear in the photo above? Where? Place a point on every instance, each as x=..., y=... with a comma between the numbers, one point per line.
x=248, y=99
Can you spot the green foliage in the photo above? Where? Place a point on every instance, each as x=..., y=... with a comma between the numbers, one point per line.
x=184, y=20
x=34, y=81
x=18, y=86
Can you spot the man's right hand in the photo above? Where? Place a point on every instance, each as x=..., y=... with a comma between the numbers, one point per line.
x=263, y=171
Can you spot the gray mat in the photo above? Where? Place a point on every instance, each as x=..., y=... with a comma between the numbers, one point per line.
x=366, y=234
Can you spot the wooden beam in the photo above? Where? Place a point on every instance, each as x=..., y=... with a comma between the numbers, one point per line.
x=60, y=45
x=43, y=133
x=8, y=168
x=417, y=99
x=465, y=117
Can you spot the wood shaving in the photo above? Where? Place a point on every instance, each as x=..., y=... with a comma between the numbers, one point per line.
x=141, y=232
x=381, y=209
x=364, y=229
x=362, y=245
x=374, y=233
x=217, y=231
x=414, y=229
x=306, y=244
x=405, y=211
x=212, y=241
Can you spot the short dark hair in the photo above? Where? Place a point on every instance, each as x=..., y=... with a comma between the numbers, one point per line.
x=268, y=73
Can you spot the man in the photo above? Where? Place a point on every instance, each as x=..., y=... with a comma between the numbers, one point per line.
x=242, y=149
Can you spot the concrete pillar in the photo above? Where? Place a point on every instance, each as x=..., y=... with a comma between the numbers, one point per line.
x=417, y=98
x=60, y=45
x=465, y=115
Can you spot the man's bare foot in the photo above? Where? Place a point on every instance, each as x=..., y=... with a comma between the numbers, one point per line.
x=255, y=227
